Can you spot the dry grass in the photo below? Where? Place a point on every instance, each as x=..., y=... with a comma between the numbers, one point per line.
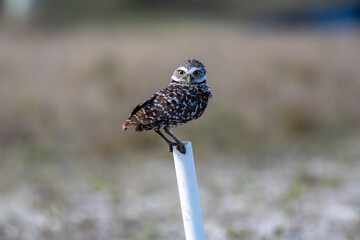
x=75, y=88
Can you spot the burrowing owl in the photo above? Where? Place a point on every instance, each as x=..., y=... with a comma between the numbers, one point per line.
x=183, y=100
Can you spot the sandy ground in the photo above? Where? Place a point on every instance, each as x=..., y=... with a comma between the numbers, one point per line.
x=288, y=198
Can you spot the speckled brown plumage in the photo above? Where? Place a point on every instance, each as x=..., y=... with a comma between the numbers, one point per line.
x=172, y=106
x=185, y=99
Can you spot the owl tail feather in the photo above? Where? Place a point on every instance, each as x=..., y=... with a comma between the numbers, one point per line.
x=128, y=123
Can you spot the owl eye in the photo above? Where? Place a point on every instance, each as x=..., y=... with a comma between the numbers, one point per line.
x=181, y=72
x=196, y=73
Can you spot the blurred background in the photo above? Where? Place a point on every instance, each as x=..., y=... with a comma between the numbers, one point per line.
x=277, y=151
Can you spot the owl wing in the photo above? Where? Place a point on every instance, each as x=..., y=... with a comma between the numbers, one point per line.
x=133, y=119
x=156, y=112
x=143, y=104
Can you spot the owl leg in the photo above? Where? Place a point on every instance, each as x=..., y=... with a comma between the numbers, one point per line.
x=166, y=139
x=180, y=145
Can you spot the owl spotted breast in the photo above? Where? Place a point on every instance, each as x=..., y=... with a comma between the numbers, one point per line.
x=185, y=99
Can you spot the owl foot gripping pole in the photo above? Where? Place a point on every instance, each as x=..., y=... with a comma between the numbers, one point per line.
x=189, y=194
x=180, y=144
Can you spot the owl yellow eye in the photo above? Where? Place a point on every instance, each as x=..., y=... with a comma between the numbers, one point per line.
x=196, y=73
x=181, y=72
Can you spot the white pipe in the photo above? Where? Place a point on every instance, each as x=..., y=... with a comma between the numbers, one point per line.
x=189, y=194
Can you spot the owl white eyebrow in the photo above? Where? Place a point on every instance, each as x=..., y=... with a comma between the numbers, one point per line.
x=194, y=69
x=184, y=69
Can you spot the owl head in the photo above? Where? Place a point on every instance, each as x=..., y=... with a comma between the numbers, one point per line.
x=191, y=71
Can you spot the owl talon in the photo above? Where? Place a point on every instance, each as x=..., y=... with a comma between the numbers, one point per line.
x=181, y=148
x=171, y=147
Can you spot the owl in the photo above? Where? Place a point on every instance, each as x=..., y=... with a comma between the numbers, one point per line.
x=184, y=99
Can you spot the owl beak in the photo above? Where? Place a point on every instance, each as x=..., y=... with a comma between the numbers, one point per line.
x=188, y=78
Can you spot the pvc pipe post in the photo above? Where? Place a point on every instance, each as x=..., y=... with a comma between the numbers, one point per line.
x=189, y=193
